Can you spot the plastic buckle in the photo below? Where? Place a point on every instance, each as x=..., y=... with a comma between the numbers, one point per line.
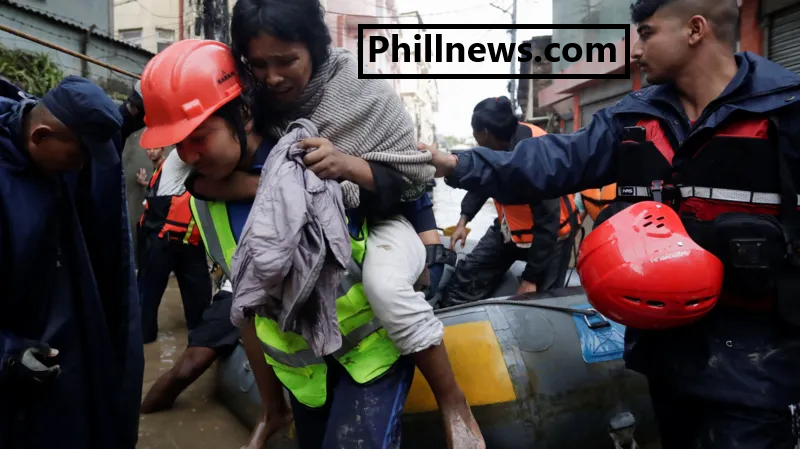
x=439, y=254
x=596, y=325
x=661, y=191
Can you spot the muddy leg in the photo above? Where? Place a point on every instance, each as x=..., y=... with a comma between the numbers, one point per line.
x=460, y=427
x=191, y=365
x=275, y=412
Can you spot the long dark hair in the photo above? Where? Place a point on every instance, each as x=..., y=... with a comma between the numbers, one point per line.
x=287, y=20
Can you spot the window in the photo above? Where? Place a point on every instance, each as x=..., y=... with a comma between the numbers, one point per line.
x=132, y=36
x=164, y=38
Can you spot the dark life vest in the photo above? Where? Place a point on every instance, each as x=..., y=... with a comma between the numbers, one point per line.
x=727, y=184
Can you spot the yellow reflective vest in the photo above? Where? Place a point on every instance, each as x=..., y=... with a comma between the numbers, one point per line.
x=366, y=352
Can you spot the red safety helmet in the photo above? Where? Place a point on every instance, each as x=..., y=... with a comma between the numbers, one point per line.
x=641, y=269
x=182, y=86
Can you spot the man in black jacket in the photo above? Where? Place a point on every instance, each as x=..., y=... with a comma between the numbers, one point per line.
x=715, y=137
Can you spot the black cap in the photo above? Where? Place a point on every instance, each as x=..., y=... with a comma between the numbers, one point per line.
x=88, y=111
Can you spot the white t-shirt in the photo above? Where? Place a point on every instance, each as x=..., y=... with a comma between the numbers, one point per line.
x=173, y=176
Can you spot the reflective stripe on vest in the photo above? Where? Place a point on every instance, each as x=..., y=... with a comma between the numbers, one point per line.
x=738, y=196
x=306, y=357
x=712, y=193
x=207, y=215
x=366, y=352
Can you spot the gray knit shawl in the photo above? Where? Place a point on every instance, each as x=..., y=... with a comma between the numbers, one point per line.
x=362, y=117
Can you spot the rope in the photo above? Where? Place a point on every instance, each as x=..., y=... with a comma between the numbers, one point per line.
x=66, y=50
x=490, y=302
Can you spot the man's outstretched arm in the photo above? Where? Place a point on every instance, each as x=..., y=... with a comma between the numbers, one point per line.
x=540, y=167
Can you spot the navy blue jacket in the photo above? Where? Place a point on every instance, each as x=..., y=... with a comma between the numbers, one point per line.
x=731, y=356
x=68, y=280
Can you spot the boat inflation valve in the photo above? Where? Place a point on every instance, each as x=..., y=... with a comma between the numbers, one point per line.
x=246, y=376
x=621, y=429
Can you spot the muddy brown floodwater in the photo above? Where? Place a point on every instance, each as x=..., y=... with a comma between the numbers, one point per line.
x=198, y=420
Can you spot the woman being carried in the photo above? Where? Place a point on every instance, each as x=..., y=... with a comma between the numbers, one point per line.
x=287, y=62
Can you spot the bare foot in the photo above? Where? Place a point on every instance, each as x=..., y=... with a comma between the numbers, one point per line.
x=461, y=429
x=267, y=426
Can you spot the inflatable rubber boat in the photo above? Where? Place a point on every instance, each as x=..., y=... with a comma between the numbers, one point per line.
x=542, y=371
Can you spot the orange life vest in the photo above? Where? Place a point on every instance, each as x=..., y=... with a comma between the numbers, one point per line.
x=169, y=215
x=595, y=200
x=519, y=218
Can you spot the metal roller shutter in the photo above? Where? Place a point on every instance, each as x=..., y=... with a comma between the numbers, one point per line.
x=784, y=38
x=588, y=110
x=568, y=126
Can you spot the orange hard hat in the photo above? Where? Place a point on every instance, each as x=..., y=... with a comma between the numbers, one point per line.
x=641, y=269
x=182, y=86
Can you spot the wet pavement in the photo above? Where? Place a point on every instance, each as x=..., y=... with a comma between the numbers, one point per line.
x=198, y=420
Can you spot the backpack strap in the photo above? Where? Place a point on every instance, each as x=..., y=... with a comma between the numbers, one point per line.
x=788, y=214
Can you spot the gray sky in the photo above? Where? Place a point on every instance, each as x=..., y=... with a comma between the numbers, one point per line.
x=458, y=97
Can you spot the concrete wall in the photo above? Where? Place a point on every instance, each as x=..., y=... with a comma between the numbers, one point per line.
x=588, y=12
x=104, y=50
x=83, y=12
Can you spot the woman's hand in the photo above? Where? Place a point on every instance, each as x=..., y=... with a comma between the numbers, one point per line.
x=327, y=161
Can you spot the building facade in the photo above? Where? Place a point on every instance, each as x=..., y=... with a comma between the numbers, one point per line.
x=85, y=13
x=420, y=96
x=150, y=24
x=770, y=28
x=343, y=18
x=527, y=89
x=155, y=24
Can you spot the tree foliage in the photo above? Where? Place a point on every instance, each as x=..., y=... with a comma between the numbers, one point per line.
x=35, y=73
